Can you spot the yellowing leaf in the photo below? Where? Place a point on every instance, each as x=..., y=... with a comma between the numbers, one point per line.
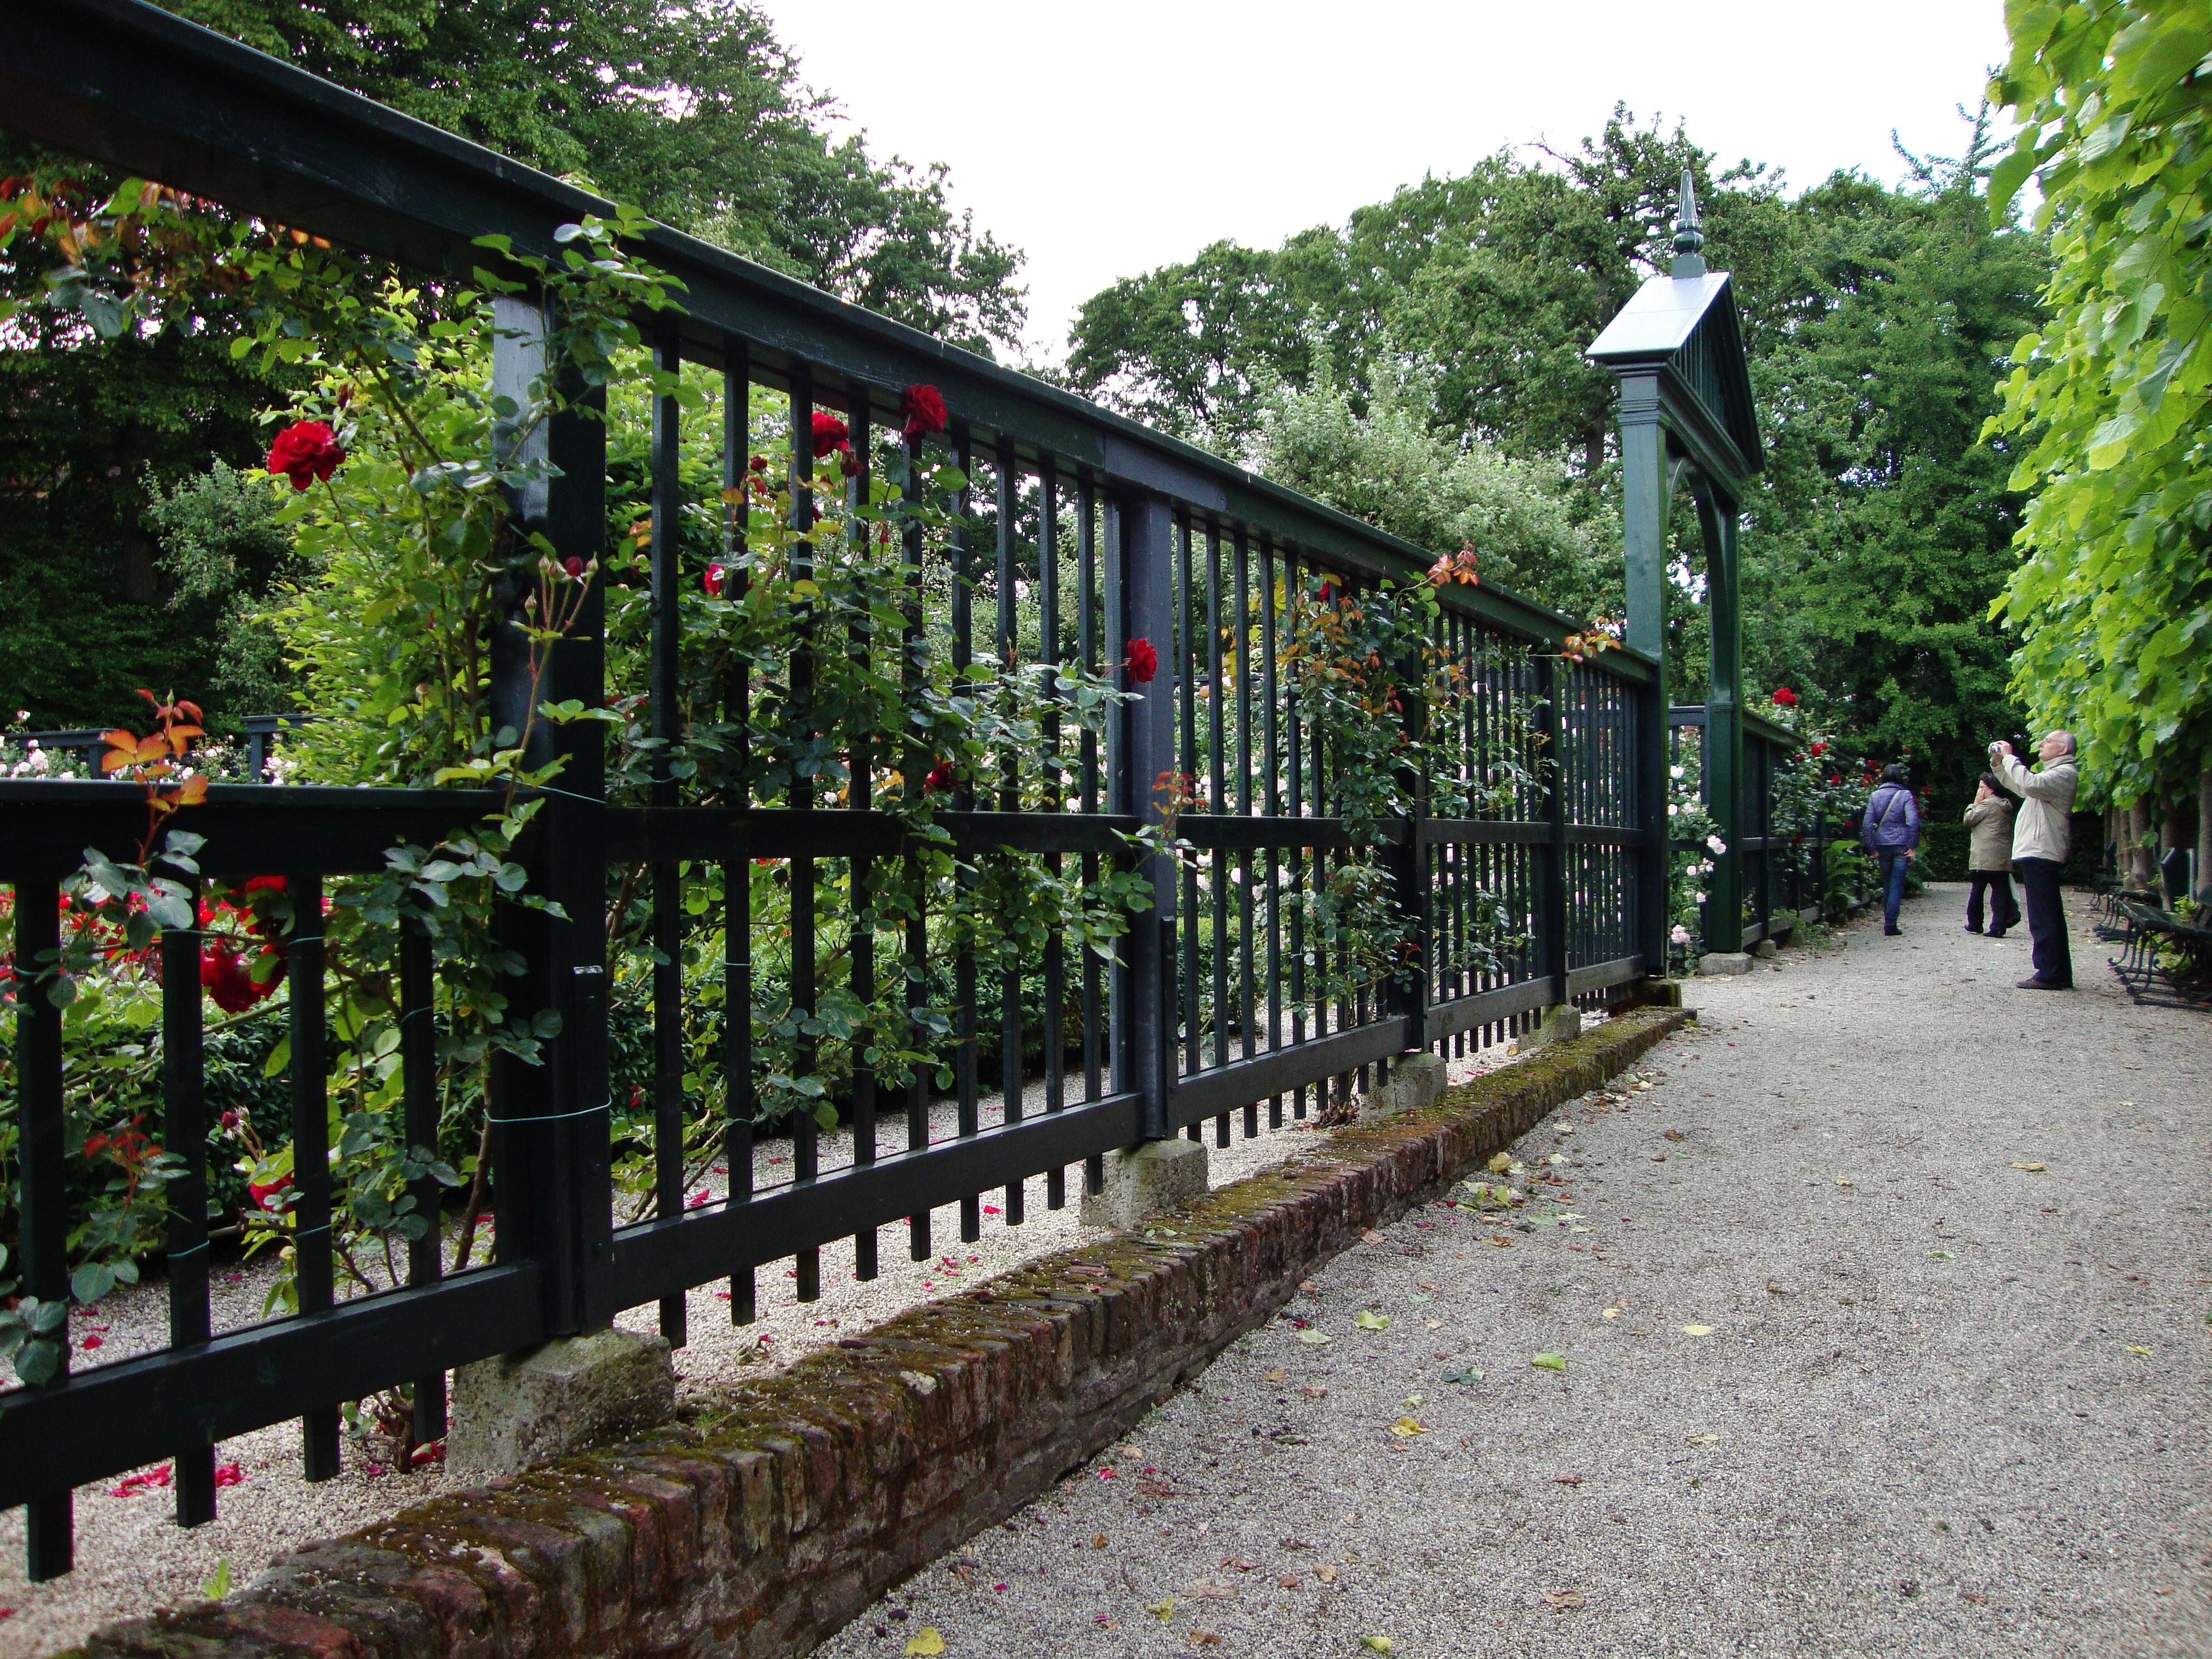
x=1609, y=1313
x=1318, y=1339
x=926, y=1642
x=1369, y=1320
x=1550, y=1362
x=2017, y=1164
x=2145, y=1353
x=1378, y=1644
x=1163, y=1611
x=1405, y=1428
x=1501, y=1163
x=1843, y=1181
x=1696, y=1330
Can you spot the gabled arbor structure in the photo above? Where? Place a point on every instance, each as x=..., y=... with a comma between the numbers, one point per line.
x=1686, y=416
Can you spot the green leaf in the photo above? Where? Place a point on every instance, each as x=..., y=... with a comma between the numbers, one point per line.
x=279, y=1058
x=1550, y=1362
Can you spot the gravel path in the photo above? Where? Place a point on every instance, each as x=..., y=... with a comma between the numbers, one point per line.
x=1888, y=1334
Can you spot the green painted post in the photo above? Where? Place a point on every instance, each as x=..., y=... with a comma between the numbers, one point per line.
x=1724, y=774
x=1645, y=489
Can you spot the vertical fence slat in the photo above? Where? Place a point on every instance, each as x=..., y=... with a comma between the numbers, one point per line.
x=663, y=687
x=806, y=1141
x=419, y=1074
x=738, y=1098
x=313, y=1277
x=1055, y=961
x=183, y=1133
x=1006, y=582
x=860, y=796
x=42, y=1130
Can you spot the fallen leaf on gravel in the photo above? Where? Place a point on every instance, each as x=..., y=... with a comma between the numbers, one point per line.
x=1696, y=1330
x=1405, y=1428
x=1843, y=1181
x=1702, y=1439
x=1238, y=1562
x=1271, y=1376
x=2145, y=1353
x=1211, y=1593
x=1369, y=1320
x=1550, y=1362
x=1609, y=1313
x=1378, y=1643
x=1098, y=1540
x=926, y=1642
x=1500, y=1163
x=1562, y=1600
x=1502, y=1243
x=1433, y=1324
x=1939, y=1256
x=1979, y=1600
x=1675, y=1134
x=1325, y=1573
x=1566, y=1480
x=1316, y=1390
x=1308, y=1287
x=1163, y=1610
x=1204, y=1638
x=966, y=1572
x=1318, y=1339
x=1371, y=1236
x=1773, y=1289
x=2037, y=1168
x=1468, y=1378
x=1293, y=1544
x=1288, y=1581
x=1153, y=1486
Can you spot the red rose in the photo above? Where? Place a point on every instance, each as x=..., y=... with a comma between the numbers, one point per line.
x=574, y=566
x=1784, y=697
x=263, y=1191
x=227, y=978
x=716, y=579
x=1142, y=662
x=829, y=432
x=266, y=885
x=848, y=463
x=305, y=453
x=924, y=409
x=758, y=464
x=940, y=777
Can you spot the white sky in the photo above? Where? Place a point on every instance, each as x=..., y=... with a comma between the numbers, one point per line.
x=1106, y=139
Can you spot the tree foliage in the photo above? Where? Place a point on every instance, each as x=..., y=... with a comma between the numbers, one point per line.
x=2113, y=601
x=690, y=110
x=1454, y=316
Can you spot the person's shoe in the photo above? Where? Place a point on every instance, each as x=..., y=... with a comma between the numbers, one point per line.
x=1971, y=929
x=1994, y=932
x=2032, y=984
x=1888, y=929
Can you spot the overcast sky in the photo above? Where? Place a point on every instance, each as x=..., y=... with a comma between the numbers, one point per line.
x=1106, y=139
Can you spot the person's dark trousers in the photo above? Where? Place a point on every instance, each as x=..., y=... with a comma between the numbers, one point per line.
x=2046, y=920
x=2004, y=911
x=1892, y=884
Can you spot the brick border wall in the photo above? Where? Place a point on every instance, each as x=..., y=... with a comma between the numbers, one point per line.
x=766, y=1523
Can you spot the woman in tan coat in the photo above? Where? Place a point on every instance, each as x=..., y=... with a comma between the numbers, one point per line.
x=1988, y=858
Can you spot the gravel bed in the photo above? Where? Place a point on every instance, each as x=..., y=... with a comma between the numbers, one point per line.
x=1888, y=1334
x=131, y=1559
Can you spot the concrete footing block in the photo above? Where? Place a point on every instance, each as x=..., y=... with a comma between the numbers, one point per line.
x=1146, y=1181
x=522, y=1408
x=1416, y=1081
x=1765, y=948
x=1714, y=963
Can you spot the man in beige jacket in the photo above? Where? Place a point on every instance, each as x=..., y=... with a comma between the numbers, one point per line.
x=2041, y=836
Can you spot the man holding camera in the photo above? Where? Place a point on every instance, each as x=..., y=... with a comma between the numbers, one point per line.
x=2041, y=836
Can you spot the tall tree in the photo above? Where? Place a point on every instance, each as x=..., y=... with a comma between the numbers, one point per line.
x=2113, y=601
x=689, y=109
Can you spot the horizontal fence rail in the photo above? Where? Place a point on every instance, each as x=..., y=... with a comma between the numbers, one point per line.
x=1291, y=949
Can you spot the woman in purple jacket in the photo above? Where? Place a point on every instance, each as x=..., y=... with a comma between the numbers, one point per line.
x=1891, y=832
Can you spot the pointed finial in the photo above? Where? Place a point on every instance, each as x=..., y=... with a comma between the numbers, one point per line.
x=1689, y=239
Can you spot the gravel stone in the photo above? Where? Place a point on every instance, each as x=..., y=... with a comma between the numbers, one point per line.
x=1839, y=1376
